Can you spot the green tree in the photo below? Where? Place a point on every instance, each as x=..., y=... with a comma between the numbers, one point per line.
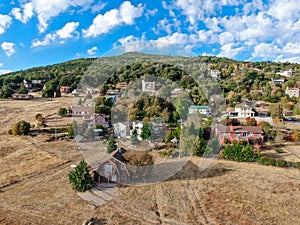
x=71, y=131
x=6, y=91
x=80, y=178
x=23, y=89
x=62, y=112
x=21, y=128
x=276, y=111
x=111, y=145
x=134, y=140
x=146, y=131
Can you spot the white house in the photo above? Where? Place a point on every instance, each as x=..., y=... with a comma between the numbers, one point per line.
x=203, y=110
x=287, y=73
x=148, y=86
x=292, y=92
x=215, y=74
x=121, y=129
x=138, y=126
x=242, y=111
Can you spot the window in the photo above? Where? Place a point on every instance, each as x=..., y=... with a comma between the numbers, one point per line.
x=108, y=168
x=114, y=178
x=123, y=167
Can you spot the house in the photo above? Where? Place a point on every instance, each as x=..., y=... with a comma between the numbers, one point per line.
x=112, y=169
x=64, y=90
x=138, y=126
x=239, y=133
x=242, y=111
x=148, y=86
x=27, y=84
x=121, y=85
x=121, y=130
x=203, y=110
x=287, y=73
x=292, y=92
x=112, y=92
x=101, y=119
x=278, y=81
x=22, y=96
x=79, y=111
x=215, y=74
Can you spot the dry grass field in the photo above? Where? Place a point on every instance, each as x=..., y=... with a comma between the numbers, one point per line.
x=34, y=187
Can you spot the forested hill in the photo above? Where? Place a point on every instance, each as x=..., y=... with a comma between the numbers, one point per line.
x=231, y=73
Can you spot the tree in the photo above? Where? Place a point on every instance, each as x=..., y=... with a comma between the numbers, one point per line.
x=62, y=112
x=80, y=178
x=21, y=128
x=111, y=145
x=23, y=89
x=134, y=139
x=251, y=121
x=71, y=131
x=39, y=117
x=276, y=111
x=146, y=131
x=6, y=91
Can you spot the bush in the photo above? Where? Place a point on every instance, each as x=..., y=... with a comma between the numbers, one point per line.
x=240, y=152
x=21, y=128
x=267, y=161
x=280, y=163
x=62, y=112
x=80, y=178
x=295, y=165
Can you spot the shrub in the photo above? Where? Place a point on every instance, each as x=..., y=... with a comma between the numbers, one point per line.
x=21, y=128
x=267, y=161
x=62, y=112
x=39, y=117
x=295, y=165
x=280, y=163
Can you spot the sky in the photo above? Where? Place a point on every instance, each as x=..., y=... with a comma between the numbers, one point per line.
x=44, y=32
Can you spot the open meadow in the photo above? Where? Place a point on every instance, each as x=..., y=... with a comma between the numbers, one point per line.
x=34, y=186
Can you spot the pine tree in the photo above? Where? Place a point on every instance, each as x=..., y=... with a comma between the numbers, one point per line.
x=111, y=145
x=80, y=178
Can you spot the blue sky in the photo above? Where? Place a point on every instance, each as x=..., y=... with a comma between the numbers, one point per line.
x=42, y=32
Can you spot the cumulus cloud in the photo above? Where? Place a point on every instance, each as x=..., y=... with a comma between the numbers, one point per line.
x=230, y=50
x=67, y=32
x=46, y=10
x=175, y=44
x=167, y=26
x=125, y=15
x=23, y=14
x=9, y=48
x=4, y=71
x=92, y=51
x=5, y=22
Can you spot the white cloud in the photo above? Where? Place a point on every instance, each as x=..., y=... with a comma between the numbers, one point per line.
x=167, y=26
x=1, y=64
x=5, y=71
x=92, y=51
x=125, y=15
x=175, y=44
x=68, y=31
x=230, y=50
x=285, y=9
x=46, y=10
x=197, y=10
x=226, y=38
x=8, y=48
x=27, y=12
x=266, y=51
x=5, y=22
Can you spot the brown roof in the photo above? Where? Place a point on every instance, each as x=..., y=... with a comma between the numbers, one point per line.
x=228, y=129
